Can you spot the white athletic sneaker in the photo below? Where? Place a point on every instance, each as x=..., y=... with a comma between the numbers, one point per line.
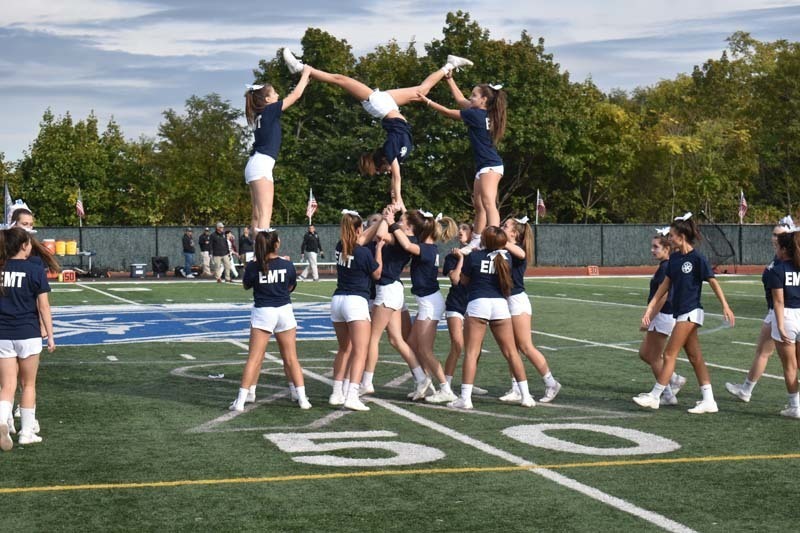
x=304, y=403
x=369, y=389
x=441, y=397
x=672, y=400
x=646, y=399
x=294, y=65
x=355, y=404
x=234, y=407
x=336, y=399
x=421, y=390
x=736, y=390
x=11, y=428
x=528, y=401
x=677, y=384
x=28, y=437
x=17, y=412
x=791, y=412
x=459, y=62
x=511, y=396
x=251, y=397
x=703, y=407
x=460, y=403
x=550, y=393
x=5, y=438
x=36, y=428
x=479, y=391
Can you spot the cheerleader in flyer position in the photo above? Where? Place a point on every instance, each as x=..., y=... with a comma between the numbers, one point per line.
x=384, y=106
x=685, y=274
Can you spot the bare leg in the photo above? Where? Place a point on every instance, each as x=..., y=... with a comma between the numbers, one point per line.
x=380, y=318
x=406, y=318
x=255, y=357
x=287, y=343
x=262, y=192
x=651, y=350
x=764, y=350
x=503, y=333
x=480, y=212
x=522, y=337
x=359, y=336
x=424, y=331
x=455, y=326
x=8, y=379
x=474, y=331
x=408, y=94
x=398, y=342
x=789, y=360
x=486, y=187
x=354, y=87
x=342, y=359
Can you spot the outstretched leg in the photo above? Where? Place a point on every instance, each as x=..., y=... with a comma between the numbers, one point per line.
x=354, y=87
x=405, y=95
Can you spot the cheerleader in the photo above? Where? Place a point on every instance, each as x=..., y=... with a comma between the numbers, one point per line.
x=387, y=311
x=784, y=282
x=355, y=266
x=484, y=114
x=520, y=247
x=425, y=287
x=272, y=279
x=765, y=345
x=384, y=106
x=487, y=275
x=685, y=274
x=24, y=319
x=655, y=338
x=263, y=110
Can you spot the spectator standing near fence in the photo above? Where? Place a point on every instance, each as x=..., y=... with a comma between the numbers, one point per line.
x=188, y=252
x=245, y=246
x=309, y=249
x=220, y=254
x=205, y=250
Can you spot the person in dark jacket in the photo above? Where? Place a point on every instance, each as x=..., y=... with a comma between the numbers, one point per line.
x=188, y=253
x=220, y=254
x=205, y=250
x=245, y=246
x=310, y=248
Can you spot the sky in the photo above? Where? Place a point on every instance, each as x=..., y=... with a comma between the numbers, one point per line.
x=133, y=59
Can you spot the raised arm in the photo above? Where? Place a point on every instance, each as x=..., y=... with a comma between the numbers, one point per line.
x=455, y=274
x=458, y=96
x=376, y=274
x=726, y=310
x=515, y=250
x=298, y=90
x=397, y=196
x=405, y=243
x=369, y=234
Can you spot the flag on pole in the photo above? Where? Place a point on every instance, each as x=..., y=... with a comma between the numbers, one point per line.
x=742, y=206
x=79, y=205
x=541, y=210
x=7, y=203
x=312, y=206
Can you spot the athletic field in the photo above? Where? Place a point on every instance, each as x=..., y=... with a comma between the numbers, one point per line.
x=137, y=435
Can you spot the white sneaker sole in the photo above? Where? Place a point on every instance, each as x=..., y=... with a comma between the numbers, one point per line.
x=355, y=406
x=702, y=410
x=645, y=402
x=5, y=438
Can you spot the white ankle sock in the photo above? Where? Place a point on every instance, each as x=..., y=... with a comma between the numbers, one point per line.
x=708, y=394
x=5, y=411
x=346, y=387
x=658, y=390
x=366, y=381
x=300, y=391
x=523, y=388
x=466, y=392
x=794, y=399
x=514, y=385
x=28, y=419
x=445, y=387
x=338, y=387
x=240, y=399
x=352, y=392
x=668, y=392
x=418, y=374
x=748, y=386
x=549, y=380
x=449, y=379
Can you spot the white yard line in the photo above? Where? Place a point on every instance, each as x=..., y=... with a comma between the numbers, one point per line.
x=104, y=293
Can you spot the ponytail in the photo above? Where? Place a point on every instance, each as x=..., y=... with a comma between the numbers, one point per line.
x=688, y=229
x=496, y=107
x=524, y=236
x=503, y=274
x=255, y=100
x=446, y=230
x=349, y=233
x=45, y=255
x=495, y=238
x=266, y=243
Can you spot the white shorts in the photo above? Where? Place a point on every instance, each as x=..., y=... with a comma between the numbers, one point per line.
x=21, y=348
x=390, y=296
x=489, y=309
x=349, y=308
x=695, y=316
x=519, y=304
x=379, y=104
x=273, y=319
x=791, y=324
x=498, y=169
x=454, y=314
x=662, y=323
x=430, y=307
x=259, y=166
x=770, y=317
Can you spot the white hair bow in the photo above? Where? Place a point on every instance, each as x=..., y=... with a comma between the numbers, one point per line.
x=662, y=231
x=523, y=220
x=350, y=212
x=268, y=230
x=439, y=217
x=425, y=214
x=494, y=254
x=251, y=88
x=685, y=217
x=787, y=221
x=496, y=86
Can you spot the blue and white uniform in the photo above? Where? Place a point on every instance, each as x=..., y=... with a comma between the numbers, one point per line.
x=424, y=283
x=784, y=275
x=485, y=298
x=768, y=292
x=353, y=275
x=518, y=302
x=267, y=143
x=456, y=303
x=20, y=334
x=272, y=309
x=687, y=272
x=398, y=144
x=480, y=137
x=663, y=322
x=389, y=289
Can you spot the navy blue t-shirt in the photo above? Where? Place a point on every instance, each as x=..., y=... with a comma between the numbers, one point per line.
x=398, y=143
x=457, y=296
x=765, y=283
x=394, y=259
x=655, y=282
x=23, y=281
x=687, y=274
x=268, y=130
x=518, y=268
x=354, y=272
x=271, y=289
x=483, y=280
x=785, y=276
x=480, y=137
x=425, y=270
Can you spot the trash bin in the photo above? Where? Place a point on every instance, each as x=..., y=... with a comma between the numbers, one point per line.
x=137, y=270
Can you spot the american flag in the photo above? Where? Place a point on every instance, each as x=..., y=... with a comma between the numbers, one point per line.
x=541, y=210
x=312, y=205
x=742, y=205
x=79, y=206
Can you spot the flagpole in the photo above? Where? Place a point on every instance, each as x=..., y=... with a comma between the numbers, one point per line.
x=537, y=208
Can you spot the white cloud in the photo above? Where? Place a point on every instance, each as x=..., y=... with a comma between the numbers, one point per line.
x=40, y=14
